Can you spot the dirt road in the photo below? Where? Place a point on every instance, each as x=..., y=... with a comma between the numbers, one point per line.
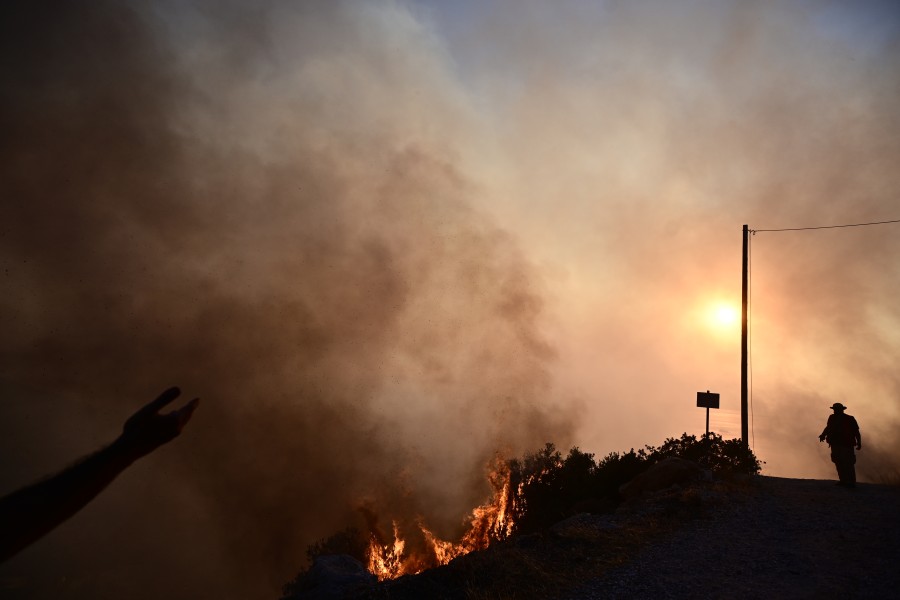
x=785, y=538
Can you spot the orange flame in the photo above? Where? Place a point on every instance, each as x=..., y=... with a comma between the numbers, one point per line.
x=487, y=523
x=386, y=560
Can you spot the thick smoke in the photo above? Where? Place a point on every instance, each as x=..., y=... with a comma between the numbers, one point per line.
x=382, y=240
x=266, y=207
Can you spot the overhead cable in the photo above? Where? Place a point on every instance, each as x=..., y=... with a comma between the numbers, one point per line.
x=826, y=226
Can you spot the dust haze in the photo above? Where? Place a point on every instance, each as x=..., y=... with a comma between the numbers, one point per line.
x=384, y=241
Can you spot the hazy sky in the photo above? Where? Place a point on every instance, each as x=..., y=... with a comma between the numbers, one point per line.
x=386, y=240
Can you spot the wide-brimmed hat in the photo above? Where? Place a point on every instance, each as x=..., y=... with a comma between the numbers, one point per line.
x=838, y=406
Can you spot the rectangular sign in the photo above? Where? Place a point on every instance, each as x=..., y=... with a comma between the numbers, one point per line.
x=707, y=400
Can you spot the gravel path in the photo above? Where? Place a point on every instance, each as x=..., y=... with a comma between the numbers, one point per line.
x=787, y=538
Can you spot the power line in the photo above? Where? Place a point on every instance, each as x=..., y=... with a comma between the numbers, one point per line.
x=826, y=226
x=747, y=360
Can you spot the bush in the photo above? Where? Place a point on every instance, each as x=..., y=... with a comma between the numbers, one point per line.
x=349, y=541
x=547, y=488
x=714, y=453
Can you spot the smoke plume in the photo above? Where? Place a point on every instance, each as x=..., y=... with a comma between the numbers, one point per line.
x=383, y=241
x=263, y=206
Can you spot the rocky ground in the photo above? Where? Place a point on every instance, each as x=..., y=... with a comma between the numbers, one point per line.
x=759, y=537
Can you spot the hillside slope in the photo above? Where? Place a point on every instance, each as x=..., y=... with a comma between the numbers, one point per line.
x=784, y=538
x=760, y=537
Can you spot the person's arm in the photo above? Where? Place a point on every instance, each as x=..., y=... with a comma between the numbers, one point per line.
x=31, y=512
x=857, y=436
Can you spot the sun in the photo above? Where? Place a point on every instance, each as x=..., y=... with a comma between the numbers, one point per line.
x=724, y=316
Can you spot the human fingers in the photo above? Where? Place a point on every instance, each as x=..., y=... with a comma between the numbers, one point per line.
x=151, y=408
x=183, y=414
x=163, y=399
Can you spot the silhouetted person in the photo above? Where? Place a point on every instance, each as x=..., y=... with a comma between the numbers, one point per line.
x=29, y=513
x=842, y=434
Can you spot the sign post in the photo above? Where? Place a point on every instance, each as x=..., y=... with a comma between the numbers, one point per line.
x=707, y=400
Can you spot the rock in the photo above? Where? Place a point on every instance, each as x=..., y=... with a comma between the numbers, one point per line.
x=664, y=474
x=331, y=577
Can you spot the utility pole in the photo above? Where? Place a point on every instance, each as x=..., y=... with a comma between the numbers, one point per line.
x=744, y=294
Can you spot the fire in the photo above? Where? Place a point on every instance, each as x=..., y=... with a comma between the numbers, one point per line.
x=444, y=551
x=487, y=523
x=386, y=560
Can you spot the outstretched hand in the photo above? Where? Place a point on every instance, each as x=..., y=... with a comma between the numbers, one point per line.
x=29, y=513
x=147, y=429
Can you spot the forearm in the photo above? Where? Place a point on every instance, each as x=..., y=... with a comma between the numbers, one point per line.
x=29, y=513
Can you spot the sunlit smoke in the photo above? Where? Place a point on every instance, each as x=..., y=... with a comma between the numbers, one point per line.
x=385, y=240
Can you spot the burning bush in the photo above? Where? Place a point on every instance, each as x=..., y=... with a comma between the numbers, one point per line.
x=529, y=494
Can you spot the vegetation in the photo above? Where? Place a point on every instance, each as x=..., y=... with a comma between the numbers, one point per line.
x=350, y=541
x=546, y=487
x=549, y=487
